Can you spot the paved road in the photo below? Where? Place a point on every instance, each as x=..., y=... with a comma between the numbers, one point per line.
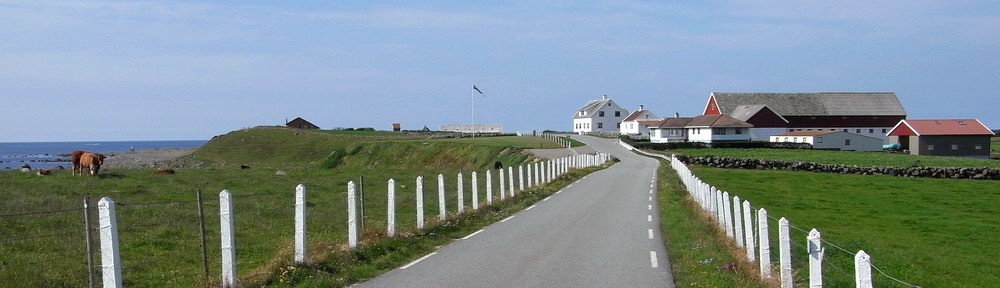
x=599, y=232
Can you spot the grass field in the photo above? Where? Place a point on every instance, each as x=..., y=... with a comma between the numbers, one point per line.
x=863, y=159
x=928, y=232
x=42, y=240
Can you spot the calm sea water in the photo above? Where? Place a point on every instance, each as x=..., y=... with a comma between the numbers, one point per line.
x=44, y=155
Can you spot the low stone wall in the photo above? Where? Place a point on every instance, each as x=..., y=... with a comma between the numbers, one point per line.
x=979, y=173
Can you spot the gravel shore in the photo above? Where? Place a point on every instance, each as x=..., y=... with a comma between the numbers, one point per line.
x=151, y=158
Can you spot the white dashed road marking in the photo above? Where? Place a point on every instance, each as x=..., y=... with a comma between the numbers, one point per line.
x=417, y=261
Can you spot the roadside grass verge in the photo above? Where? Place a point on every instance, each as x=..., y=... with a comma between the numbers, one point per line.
x=573, y=142
x=698, y=249
x=379, y=254
x=927, y=232
x=863, y=159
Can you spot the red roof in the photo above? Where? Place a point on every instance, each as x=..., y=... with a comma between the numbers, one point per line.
x=940, y=127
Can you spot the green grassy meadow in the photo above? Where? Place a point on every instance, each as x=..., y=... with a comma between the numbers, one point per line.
x=863, y=159
x=928, y=232
x=41, y=217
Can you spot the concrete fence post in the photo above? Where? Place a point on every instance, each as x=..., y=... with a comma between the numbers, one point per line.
x=785, y=253
x=520, y=177
x=503, y=190
x=461, y=194
x=862, y=270
x=510, y=180
x=815, y=259
x=228, y=236
x=475, y=191
x=748, y=227
x=765, y=244
x=391, y=209
x=489, y=187
x=727, y=215
x=738, y=221
x=300, y=225
x=442, y=212
x=352, y=216
x=420, y=202
x=111, y=263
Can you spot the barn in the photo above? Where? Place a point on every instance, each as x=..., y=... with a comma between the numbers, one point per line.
x=300, y=123
x=870, y=114
x=943, y=137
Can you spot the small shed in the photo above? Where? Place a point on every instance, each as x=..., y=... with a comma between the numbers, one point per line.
x=396, y=127
x=943, y=137
x=833, y=140
x=300, y=123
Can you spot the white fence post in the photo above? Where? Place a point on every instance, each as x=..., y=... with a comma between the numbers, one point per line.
x=227, y=229
x=442, y=214
x=300, y=224
x=815, y=259
x=765, y=244
x=727, y=215
x=475, y=191
x=520, y=177
x=510, y=178
x=538, y=175
x=503, y=190
x=461, y=194
x=489, y=187
x=784, y=253
x=748, y=226
x=352, y=216
x=111, y=263
x=862, y=270
x=737, y=221
x=530, y=182
x=391, y=206
x=420, y=202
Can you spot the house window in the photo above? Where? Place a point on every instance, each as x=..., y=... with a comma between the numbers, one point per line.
x=618, y=113
x=739, y=131
x=954, y=147
x=979, y=146
x=791, y=130
x=600, y=114
x=583, y=113
x=930, y=147
x=719, y=131
x=809, y=129
x=600, y=125
x=858, y=131
x=845, y=130
x=620, y=125
x=883, y=130
x=871, y=131
x=819, y=139
x=847, y=142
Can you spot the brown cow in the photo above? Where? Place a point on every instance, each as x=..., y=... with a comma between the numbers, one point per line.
x=164, y=171
x=74, y=158
x=92, y=161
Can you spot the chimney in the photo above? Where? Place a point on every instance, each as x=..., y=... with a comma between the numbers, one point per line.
x=605, y=97
x=677, y=115
x=640, y=107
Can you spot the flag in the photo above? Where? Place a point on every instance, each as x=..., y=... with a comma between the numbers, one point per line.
x=477, y=89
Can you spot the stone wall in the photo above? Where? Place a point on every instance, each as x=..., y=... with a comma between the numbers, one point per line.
x=979, y=173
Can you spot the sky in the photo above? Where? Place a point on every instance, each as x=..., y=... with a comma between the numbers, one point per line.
x=84, y=70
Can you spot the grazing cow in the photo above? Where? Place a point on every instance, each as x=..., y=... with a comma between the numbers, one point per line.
x=92, y=161
x=164, y=171
x=43, y=172
x=74, y=159
x=244, y=166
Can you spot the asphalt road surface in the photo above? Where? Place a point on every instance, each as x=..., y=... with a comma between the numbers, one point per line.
x=602, y=231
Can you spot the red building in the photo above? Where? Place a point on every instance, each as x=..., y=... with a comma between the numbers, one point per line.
x=943, y=137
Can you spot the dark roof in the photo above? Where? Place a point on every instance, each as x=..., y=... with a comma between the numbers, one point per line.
x=298, y=122
x=815, y=104
x=745, y=112
x=591, y=108
x=676, y=122
x=635, y=116
x=717, y=120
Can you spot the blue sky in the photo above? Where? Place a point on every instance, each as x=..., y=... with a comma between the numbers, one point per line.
x=160, y=70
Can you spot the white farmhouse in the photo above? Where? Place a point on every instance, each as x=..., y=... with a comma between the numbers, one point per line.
x=833, y=140
x=599, y=116
x=717, y=128
x=637, y=124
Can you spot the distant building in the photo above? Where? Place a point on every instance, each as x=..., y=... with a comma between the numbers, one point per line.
x=943, y=137
x=670, y=130
x=396, y=127
x=599, y=116
x=301, y=124
x=833, y=140
x=636, y=125
x=867, y=113
x=717, y=128
x=473, y=128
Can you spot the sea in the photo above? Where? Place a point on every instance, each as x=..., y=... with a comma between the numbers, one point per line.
x=46, y=155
